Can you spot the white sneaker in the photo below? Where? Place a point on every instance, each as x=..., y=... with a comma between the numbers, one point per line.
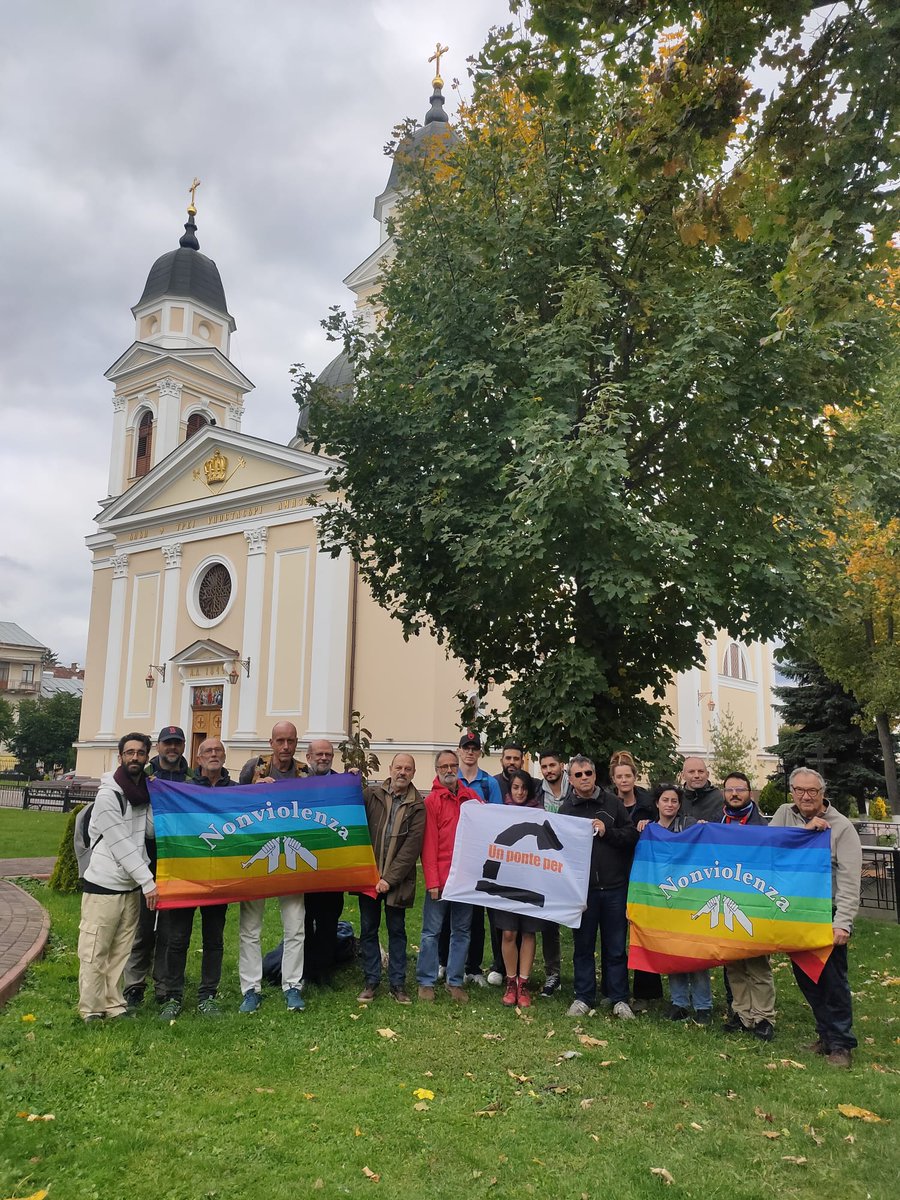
x=477, y=978
x=442, y=972
x=578, y=1008
x=495, y=979
x=623, y=1011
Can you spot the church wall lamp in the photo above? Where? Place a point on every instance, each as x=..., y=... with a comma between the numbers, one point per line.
x=234, y=674
x=160, y=670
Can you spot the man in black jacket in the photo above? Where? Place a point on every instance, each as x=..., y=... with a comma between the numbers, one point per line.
x=149, y=947
x=176, y=923
x=702, y=801
x=614, y=840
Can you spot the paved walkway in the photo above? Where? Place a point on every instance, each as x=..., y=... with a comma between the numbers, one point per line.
x=38, y=868
x=24, y=929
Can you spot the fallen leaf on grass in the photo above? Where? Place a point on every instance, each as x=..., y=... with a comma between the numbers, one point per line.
x=869, y=1041
x=608, y=1062
x=771, y=1133
x=764, y=1116
x=309, y=1095
x=595, y=1137
x=35, y=1195
x=850, y=1138
x=387, y=1033
x=550, y=1033
x=518, y=1078
x=36, y=1116
x=493, y=1037
x=29, y=1036
x=556, y=1089
x=540, y=1162
x=694, y=1125
x=353, y=1017
x=771, y=1066
x=429, y=1074
x=663, y=1174
x=649, y=1103
x=490, y=1111
x=319, y=1184
x=894, y=981
x=849, y=1110
x=587, y=1040
x=30, y=1017
x=790, y=1062
x=420, y=1107
x=373, y=1175
x=812, y=1133
x=798, y=1160
x=586, y=1103
x=357, y=1132
x=729, y=1095
x=468, y=1075
x=268, y=1091
x=423, y=1094
x=567, y=1054
x=313, y=1049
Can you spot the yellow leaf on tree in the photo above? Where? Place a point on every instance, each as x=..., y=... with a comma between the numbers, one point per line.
x=743, y=227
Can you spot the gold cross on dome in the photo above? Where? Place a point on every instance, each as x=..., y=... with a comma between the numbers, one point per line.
x=439, y=50
x=192, y=189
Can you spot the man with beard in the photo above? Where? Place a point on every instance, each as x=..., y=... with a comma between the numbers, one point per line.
x=702, y=801
x=442, y=804
x=552, y=792
x=512, y=758
x=149, y=949
x=116, y=878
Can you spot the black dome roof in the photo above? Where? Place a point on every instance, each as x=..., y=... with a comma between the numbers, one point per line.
x=337, y=380
x=186, y=273
x=421, y=142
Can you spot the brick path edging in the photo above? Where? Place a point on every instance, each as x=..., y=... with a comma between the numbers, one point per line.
x=24, y=930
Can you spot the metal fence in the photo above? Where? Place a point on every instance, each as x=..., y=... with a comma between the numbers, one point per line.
x=881, y=880
x=48, y=797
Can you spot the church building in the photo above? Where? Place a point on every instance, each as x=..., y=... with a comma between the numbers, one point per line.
x=213, y=607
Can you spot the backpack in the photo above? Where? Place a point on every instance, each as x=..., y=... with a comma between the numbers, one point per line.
x=82, y=835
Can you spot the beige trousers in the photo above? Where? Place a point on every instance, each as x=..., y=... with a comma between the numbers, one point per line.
x=105, y=936
x=753, y=990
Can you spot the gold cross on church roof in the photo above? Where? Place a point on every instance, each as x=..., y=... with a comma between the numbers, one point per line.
x=439, y=50
x=192, y=208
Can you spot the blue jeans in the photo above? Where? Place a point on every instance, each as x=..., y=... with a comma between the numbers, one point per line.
x=690, y=987
x=460, y=925
x=605, y=912
x=830, y=1001
x=370, y=951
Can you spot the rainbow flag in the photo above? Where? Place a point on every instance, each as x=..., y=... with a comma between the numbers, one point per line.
x=216, y=845
x=718, y=893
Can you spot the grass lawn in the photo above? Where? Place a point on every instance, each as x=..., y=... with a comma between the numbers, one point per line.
x=283, y=1105
x=27, y=833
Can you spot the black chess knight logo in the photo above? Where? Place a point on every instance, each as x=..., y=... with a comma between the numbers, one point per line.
x=546, y=838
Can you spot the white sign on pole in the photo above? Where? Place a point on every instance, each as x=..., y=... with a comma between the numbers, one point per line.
x=521, y=860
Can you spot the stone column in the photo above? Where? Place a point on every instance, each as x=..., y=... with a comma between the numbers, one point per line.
x=117, y=472
x=162, y=711
x=330, y=646
x=248, y=698
x=110, y=707
x=235, y=412
x=168, y=419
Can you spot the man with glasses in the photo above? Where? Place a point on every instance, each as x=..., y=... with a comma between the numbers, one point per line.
x=751, y=980
x=830, y=998
x=614, y=840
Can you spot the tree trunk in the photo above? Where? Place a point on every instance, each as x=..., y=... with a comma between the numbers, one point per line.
x=883, y=725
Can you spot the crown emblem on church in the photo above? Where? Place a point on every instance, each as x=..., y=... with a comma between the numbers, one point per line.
x=216, y=468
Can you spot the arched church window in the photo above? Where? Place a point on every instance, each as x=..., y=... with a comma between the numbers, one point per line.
x=214, y=591
x=735, y=665
x=144, y=445
x=195, y=422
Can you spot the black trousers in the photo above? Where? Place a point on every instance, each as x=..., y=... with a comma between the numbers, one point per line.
x=830, y=1001
x=323, y=911
x=178, y=924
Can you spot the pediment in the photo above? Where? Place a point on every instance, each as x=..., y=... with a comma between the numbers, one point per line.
x=216, y=470
x=369, y=270
x=192, y=360
x=206, y=650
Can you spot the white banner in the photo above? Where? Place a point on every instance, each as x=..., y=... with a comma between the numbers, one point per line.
x=521, y=860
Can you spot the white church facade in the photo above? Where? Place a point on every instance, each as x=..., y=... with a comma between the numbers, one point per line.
x=214, y=608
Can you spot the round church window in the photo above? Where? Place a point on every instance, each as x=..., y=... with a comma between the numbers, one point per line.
x=214, y=591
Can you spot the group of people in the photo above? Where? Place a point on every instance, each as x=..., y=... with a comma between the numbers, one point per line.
x=123, y=939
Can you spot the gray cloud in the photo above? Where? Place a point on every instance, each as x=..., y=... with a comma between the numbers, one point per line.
x=107, y=111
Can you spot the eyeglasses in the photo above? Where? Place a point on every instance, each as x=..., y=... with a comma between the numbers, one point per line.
x=581, y=774
x=737, y=791
x=813, y=791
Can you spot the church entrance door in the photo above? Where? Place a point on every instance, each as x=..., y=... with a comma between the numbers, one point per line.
x=206, y=716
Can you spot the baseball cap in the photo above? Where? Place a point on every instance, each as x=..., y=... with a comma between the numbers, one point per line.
x=470, y=741
x=171, y=733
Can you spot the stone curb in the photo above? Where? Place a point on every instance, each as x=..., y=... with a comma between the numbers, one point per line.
x=11, y=980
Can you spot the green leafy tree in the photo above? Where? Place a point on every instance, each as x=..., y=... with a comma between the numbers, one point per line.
x=579, y=389
x=355, y=750
x=821, y=719
x=729, y=748
x=45, y=730
x=7, y=720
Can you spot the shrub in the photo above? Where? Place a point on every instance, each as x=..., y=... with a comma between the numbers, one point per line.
x=878, y=810
x=772, y=796
x=65, y=873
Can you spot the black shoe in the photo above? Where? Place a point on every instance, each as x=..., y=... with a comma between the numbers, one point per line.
x=677, y=1013
x=551, y=984
x=733, y=1024
x=134, y=998
x=703, y=1016
x=764, y=1030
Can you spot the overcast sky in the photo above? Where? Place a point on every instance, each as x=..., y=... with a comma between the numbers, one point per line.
x=108, y=109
